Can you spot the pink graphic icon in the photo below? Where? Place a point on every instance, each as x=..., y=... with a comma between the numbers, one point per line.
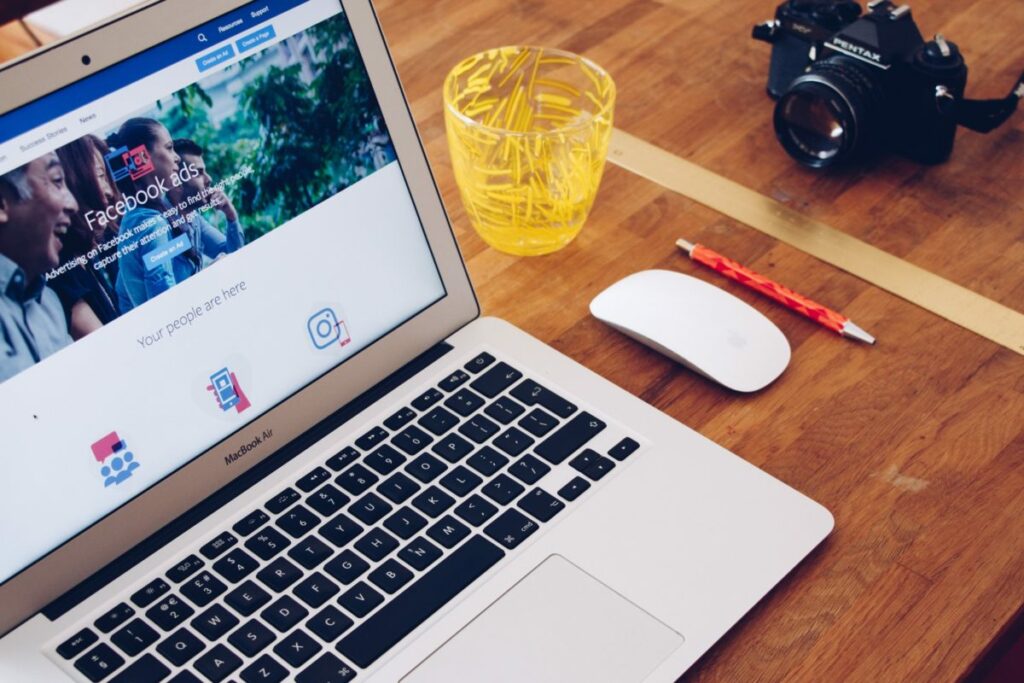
x=228, y=392
x=118, y=462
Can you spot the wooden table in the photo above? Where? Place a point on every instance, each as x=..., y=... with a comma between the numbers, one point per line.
x=916, y=445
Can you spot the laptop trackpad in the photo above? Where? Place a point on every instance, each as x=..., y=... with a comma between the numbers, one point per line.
x=558, y=624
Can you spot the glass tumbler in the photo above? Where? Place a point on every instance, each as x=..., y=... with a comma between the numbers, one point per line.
x=528, y=129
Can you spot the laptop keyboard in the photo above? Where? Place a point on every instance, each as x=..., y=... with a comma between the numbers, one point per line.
x=337, y=568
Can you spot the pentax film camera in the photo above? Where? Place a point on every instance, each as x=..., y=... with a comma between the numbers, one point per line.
x=849, y=84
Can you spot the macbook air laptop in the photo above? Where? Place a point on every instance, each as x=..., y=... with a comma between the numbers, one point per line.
x=254, y=427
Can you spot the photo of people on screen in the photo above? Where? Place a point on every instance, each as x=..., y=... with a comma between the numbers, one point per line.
x=105, y=224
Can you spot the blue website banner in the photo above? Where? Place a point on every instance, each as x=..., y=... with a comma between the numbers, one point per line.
x=159, y=57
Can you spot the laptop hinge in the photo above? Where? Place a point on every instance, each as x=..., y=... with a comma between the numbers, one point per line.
x=186, y=521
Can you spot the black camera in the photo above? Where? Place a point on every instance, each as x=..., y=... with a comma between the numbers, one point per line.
x=849, y=84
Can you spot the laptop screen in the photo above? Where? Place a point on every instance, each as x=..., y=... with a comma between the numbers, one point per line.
x=188, y=238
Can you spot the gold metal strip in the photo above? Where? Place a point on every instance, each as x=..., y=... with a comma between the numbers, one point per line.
x=957, y=304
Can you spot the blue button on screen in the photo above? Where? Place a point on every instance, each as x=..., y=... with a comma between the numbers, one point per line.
x=177, y=246
x=212, y=59
x=256, y=38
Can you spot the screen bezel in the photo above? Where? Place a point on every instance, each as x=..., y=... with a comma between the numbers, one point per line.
x=49, y=70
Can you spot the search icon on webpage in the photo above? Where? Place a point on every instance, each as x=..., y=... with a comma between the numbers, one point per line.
x=202, y=38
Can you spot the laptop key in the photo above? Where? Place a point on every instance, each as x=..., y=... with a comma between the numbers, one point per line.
x=313, y=479
x=279, y=574
x=478, y=429
x=529, y=469
x=181, y=646
x=184, y=569
x=410, y=608
x=215, y=622
x=531, y=393
x=513, y=442
x=487, y=461
x=400, y=419
x=99, y=662
x=585, y=459
x=326, y=669
x=145, y=596
x=538, y=422
x=448, y=531
x=427, y=399
x=503, y=489
x=297, y=648
x=310, y=552
x=370, y=509
x=169, y=613
x=376, y=544
x=283, y=501
x=346, y=567
x=511, y=528
x=480, y=363
x=541, y=504
x=624, y=449
x=420, y=554
x=475, y=510
x=412, y=440
x=185, y=677
x=146, y=669
x=266, y=669
x=599, y=468
x=390, y=576
x=372, y=439
x=496, y=380
x=284, y=613
x=426, y=468
x=329, y=623
x=217, y=664
x=328, y=500
x=569, y=438
x=574, y=489
x=251, y=638
x=203, y=588
x=464, y=402
x=76, y=644
x=115, y=617
x=341, y=530
x=504, y=410
x=218, y=546
x=398, y=488
x=360, y=599
x=385, y=460
x=453, y=381
x=135, y=637
x=236, y=565
x=438, y=421
x=342, y=459
x=405, y=523
x=356, y=479
x=250, y=523
x=452, y=448
x=247, y=598
x=298, y=521
x=460, y=481
x=267, y=543
x=316, y=589
x=433, y=502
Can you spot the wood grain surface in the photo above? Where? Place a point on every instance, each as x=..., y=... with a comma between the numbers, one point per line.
x=915, y=445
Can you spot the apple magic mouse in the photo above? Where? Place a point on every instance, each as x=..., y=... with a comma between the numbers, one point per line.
x=697, y=324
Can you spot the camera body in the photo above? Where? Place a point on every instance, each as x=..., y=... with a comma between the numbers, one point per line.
x=851, y=83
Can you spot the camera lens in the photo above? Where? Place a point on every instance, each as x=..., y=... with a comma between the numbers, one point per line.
x=829, y=114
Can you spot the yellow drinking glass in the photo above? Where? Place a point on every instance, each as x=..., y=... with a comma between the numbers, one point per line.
x=528, y=130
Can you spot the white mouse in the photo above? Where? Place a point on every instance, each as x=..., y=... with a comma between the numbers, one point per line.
x=697, y=324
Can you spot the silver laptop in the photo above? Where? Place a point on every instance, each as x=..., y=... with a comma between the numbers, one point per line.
x=254, y=427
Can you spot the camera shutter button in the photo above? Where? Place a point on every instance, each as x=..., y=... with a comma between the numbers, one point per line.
x=941, y=52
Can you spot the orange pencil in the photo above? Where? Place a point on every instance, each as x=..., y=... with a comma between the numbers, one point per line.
x=822, y=315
